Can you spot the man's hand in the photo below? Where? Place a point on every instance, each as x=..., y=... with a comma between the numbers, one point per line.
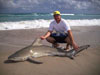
x=42, y=37
x=75, y=46
x=46, y=35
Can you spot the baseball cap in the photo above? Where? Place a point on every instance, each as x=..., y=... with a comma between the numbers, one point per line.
x=56, y=13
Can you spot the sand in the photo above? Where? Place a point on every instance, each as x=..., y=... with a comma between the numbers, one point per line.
x=85, y=63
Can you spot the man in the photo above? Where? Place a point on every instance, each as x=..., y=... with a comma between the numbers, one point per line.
x=63, y=32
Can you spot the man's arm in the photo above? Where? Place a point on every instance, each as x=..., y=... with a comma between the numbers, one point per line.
x=46, y=35
x=72, y=40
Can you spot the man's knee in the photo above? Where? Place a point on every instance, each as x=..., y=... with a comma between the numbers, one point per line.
x=50, y=39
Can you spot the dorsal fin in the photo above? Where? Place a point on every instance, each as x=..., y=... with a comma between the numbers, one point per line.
x=37, y=42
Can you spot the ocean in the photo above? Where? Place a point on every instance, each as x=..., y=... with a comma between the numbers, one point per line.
x=42, y=20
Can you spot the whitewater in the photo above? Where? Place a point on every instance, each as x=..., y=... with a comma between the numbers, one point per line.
x=45, y=24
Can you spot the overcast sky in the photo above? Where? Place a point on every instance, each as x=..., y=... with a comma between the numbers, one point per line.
x=48, y=6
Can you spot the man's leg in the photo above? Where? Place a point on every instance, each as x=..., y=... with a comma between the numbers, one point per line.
x=53, y=41
x=68, y=41
x=67, y=46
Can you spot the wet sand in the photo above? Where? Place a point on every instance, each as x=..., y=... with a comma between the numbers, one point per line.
x=85, y=63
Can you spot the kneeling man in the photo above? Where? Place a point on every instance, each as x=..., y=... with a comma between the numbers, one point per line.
x=63, y=32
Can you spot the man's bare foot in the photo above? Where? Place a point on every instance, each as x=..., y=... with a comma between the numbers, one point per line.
x=67, y=49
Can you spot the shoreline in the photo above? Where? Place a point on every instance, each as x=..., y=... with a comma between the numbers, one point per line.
x=47, y=28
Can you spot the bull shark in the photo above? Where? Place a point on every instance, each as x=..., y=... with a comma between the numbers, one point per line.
x=37, y=49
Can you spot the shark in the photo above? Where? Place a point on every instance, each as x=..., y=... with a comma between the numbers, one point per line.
x=37, y=49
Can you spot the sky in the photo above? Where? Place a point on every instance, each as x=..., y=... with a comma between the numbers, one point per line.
x=48, y=6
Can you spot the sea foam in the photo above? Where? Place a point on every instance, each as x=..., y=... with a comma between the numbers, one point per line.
x=41, y=23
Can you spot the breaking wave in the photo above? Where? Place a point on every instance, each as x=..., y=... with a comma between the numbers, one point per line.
x=41, y=23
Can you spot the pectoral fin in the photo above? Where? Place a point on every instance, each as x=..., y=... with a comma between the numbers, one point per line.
x=32, y=61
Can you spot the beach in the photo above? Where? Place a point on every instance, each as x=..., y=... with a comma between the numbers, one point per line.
x=85, y=63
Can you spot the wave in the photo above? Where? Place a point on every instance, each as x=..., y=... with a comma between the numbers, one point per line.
x=64, y=14
x=41, y=23
x=68, y=14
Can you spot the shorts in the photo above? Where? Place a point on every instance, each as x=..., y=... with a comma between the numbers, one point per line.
x=59, y=38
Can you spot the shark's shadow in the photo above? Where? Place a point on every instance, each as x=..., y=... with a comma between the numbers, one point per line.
x=31, y=61
x=9, y=61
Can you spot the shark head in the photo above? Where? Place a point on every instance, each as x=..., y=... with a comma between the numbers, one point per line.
x=15, y=58
x=25, y=53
